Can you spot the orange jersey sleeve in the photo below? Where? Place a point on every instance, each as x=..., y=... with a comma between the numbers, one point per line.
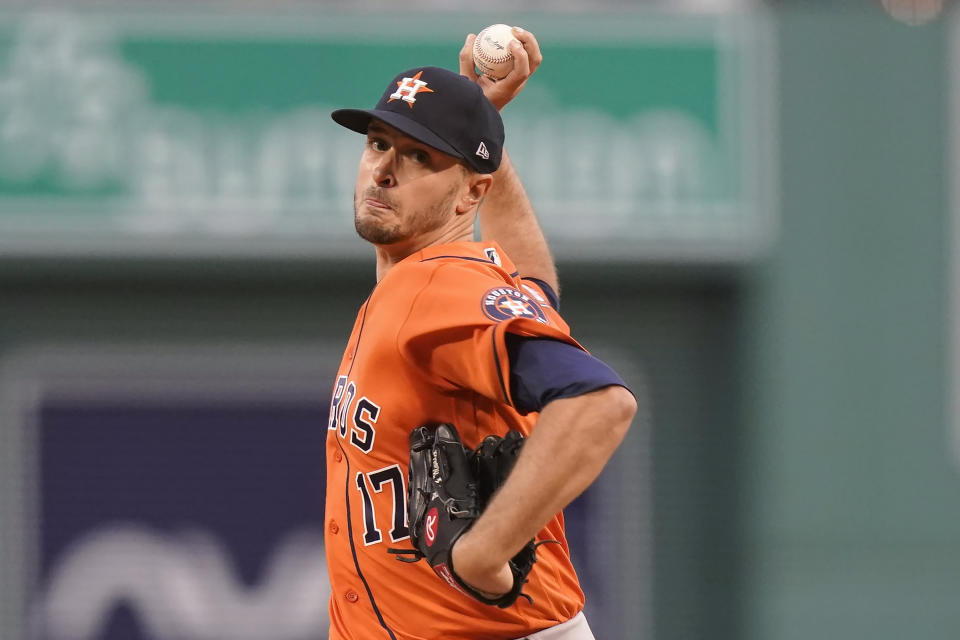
x=454, y=331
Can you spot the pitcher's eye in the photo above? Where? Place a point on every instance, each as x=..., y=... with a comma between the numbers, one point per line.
x=419, y=156
x=377, y=144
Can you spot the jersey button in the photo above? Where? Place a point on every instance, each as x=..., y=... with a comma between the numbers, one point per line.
x=338, y=456
x=351, y=596
x=334, y=527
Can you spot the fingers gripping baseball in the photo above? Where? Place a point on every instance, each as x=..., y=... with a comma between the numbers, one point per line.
x=466, y=58
x=526, y=57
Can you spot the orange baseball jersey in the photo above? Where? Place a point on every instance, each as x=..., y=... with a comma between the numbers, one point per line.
x=428, y=347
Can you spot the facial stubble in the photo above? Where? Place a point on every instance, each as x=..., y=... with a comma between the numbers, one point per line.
x=377, y=230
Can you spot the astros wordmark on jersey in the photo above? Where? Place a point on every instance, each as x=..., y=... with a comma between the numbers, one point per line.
x=428, y=347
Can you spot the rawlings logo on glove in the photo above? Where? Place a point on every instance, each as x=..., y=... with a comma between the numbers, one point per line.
x=430, y=529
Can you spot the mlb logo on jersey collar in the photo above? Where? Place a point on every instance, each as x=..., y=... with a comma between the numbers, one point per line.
x=439, y=108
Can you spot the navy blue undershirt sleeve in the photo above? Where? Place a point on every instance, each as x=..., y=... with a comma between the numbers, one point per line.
x=543, y=369
x=548, y=291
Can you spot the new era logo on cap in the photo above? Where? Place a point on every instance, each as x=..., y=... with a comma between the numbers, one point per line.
x=440, y=108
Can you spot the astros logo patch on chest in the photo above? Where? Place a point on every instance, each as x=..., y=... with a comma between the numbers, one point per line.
x=504, y=303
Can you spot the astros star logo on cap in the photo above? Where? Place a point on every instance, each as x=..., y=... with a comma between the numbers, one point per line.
x=408, y=88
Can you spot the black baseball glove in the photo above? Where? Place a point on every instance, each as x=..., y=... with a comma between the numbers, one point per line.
x=448, y=488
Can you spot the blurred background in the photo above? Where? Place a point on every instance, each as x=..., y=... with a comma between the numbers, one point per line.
x=751, y=206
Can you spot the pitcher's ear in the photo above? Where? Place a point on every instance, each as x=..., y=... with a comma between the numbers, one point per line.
x=478, y=184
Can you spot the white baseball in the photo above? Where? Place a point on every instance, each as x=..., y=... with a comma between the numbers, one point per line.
x=491, y=51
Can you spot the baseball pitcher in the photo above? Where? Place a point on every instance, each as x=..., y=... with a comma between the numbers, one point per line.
x=464, y=416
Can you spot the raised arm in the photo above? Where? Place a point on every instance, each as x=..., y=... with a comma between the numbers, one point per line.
x=506, y=214
x=507, y=217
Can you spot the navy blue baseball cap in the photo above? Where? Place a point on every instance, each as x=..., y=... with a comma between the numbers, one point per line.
x=441, y=109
